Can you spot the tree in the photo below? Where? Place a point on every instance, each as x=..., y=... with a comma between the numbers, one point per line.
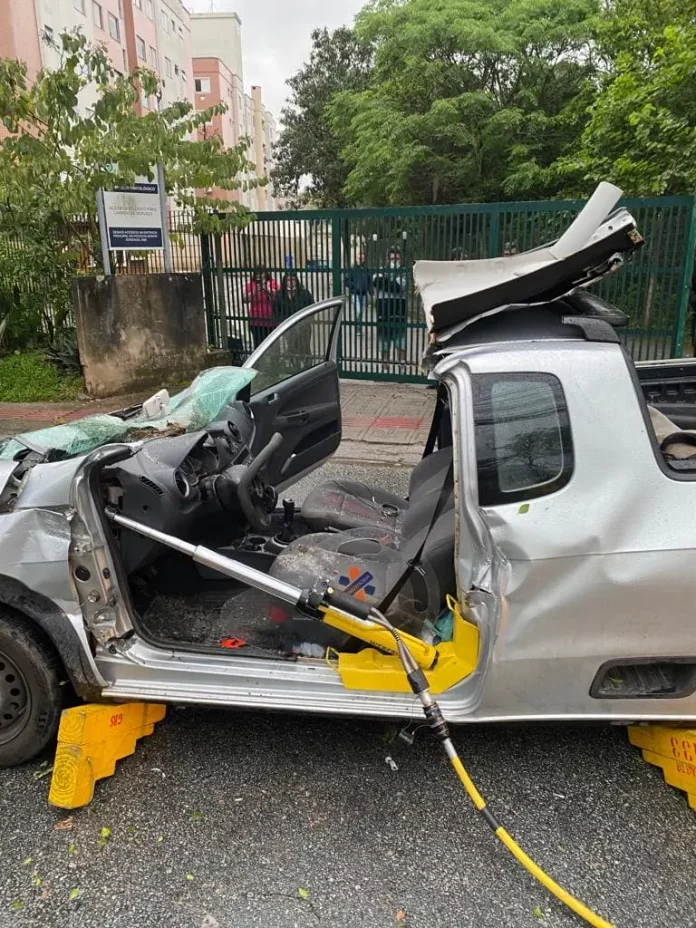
x=468, y=99
x=75, y=130
x=307, y=148
x=641, y=132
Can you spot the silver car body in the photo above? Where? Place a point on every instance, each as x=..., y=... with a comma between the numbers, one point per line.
x=599, y=571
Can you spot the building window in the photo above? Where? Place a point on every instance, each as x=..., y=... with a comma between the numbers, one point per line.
x=140, y=46
x=176, y=68
x=114, y=28
x=202, y=85
x=168, y=67
x=165, y=21
x=97, y=15
x=138, y=4
x=79, y=5
x=150, y=9
x=154, y=58
x=125, y=60
x=524, y=447
x=183, y=76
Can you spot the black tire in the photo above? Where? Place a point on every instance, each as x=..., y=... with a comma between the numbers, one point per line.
x=30, y=693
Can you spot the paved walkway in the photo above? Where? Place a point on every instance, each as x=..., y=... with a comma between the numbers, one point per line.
x=382, y=422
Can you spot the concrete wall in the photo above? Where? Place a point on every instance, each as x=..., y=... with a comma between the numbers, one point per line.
x=139, y=330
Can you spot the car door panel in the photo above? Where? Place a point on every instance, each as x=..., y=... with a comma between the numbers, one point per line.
x=296, y=392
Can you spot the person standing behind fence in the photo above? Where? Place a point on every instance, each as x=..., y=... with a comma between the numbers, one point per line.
x=391, y=289
x=290, y=299
x=359, y=286
x=259, y=294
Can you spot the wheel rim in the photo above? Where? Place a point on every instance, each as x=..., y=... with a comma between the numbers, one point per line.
x=14, y=699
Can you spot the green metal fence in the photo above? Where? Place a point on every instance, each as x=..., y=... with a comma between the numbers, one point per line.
x=320, y=246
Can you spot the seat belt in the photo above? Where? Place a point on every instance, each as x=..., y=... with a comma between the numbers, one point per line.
x=416, y=559
x=435, y=422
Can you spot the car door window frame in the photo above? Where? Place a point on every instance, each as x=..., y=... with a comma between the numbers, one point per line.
x=279, y=331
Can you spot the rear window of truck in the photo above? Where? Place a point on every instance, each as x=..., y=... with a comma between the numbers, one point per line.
x=524, y=445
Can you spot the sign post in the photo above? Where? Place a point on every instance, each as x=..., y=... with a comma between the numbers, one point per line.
x=135, y=219
x=103, y=234
x=163, y=212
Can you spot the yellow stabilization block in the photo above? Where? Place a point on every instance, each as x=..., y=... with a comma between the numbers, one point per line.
x=91, y=739
x=370, y=669
x=671, y=749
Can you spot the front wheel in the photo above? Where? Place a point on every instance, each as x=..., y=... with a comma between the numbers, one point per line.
x=30, y=693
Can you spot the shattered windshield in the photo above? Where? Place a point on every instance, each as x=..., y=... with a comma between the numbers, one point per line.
x=193, y=408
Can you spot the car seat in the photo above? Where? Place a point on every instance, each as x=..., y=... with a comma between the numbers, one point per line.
x=345, y=504
x=366, y=560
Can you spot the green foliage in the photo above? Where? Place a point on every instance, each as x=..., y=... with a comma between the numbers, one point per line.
x=307, y=146
x=641, y=132
x=35, y=274
x=62, y=148
x=71, y=132
x=30, y=378
x=468, y=98
x=63, y=352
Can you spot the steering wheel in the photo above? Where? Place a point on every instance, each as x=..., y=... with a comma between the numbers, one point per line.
x=239, y=483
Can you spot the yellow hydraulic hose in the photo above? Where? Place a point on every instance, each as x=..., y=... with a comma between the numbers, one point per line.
x=433, y=714
x=565, y=897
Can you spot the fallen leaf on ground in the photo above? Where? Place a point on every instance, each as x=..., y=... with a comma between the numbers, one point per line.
x=37, y=881
x=190, y=876
x=40, y=774
x=196, y=815
x=73, y=894
x=537, y=913
x=26, y=861
x=72, y=849
x=17, y=906
x=63, y=825
x=400, y=915
x=160, y=839
x=303, y=893
x=105, y=833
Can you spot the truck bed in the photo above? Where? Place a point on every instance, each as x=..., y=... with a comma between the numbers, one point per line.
x=670, y=386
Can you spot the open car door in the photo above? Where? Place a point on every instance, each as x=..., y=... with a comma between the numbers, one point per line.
x=296, y=392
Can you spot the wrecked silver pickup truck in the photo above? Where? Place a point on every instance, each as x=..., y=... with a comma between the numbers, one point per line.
x=543, y=557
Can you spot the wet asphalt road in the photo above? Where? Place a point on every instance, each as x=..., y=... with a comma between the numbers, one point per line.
x=269, y=821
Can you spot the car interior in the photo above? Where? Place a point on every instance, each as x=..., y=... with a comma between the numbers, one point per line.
x=205, y=487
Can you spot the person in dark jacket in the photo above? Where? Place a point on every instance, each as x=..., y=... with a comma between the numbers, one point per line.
x=297, y=345
x=391, y=289
x=359, y=286
x=291, y=297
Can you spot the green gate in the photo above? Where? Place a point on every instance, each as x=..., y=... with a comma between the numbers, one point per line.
x=321, y=246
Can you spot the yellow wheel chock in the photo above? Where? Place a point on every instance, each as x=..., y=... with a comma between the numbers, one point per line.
x=91, y=738
x=671, y=749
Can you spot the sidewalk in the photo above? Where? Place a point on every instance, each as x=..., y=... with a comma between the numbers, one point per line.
x=383, y=423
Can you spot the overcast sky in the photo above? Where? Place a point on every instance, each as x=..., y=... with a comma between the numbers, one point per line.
x=275, y=37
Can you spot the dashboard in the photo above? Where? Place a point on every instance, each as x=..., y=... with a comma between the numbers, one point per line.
x=168, y=483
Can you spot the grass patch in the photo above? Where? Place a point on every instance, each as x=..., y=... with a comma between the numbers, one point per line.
x=30, y=378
